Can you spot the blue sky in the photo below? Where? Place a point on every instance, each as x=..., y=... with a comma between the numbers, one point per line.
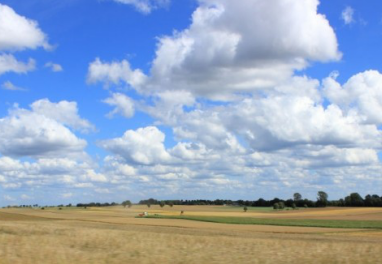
x=129, y=99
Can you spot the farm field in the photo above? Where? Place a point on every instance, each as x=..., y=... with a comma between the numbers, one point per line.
x=116, y=235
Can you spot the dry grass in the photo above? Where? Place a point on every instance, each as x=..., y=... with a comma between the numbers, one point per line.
x=113, y=235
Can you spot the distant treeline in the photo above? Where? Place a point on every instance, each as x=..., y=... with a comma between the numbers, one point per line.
x=353, y=199
x=96, y=204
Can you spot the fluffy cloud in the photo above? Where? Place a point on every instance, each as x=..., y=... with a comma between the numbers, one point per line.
x=8, y=63
x=360, y=96
x=38, y=133
x=331, y=156
x=145, y=6
x=18, y=32
x=277, y=121
x=187, y=151
x=143, y=146
x=66, y=172
x=114, y=73
x=220, y=54
x=63, y=112
x=273, y=128
x=122, y=103
x=284, y=122
x=197, y=169
x=39, y=151
x=93, y=176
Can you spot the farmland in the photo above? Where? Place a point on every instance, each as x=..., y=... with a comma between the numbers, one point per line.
x=116, y=235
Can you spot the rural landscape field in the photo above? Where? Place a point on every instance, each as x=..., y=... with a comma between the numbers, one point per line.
x=117, y=235
x=190, y=131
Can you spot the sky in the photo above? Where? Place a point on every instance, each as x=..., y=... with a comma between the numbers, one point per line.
x=108, y=100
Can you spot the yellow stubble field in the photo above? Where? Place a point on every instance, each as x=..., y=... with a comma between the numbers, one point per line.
x=115, y=235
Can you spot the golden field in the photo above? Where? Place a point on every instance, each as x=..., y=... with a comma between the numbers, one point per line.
x=115, y=235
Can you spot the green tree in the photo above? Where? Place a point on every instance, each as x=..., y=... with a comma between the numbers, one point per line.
x=162, y=204
x=276, y=206
x=373, y=200
x=245, y=208
x=322, y=199
x=355, y=200
x=297, y=197
x=127, y=203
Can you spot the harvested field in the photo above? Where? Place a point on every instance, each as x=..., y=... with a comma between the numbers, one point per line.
x=115, y=235
x=5, y=216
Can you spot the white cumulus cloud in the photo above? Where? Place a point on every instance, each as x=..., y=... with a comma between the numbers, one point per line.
x=18, y=32
x=115, y=73
x=241, y=114
x=25, y=133
x=64, y=112
x=234, y=47
x=8, y=63
x=141, y=146
x=122, y=103
x=361, y=95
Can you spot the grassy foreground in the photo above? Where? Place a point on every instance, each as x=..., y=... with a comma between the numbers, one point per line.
x=279, y=222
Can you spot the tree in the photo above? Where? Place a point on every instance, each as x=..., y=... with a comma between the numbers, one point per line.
x=322, y=199
x=373, y=200
x=148, y=205
x=354, y=200
x=126, y=203
x=294, y=206
x=245, y=208
x=171, y=204
x=162, y=204
x=289, y=202
x=297, y=197
x=276, y=206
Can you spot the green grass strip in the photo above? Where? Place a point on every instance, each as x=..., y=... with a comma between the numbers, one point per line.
x=279, y=222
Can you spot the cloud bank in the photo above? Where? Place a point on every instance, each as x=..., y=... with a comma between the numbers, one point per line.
x=232, y=114
x=242, y=116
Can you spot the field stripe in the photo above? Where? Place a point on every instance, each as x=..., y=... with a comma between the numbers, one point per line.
x=280, y=222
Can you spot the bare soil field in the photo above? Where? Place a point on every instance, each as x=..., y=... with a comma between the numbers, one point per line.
x=115, y=235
